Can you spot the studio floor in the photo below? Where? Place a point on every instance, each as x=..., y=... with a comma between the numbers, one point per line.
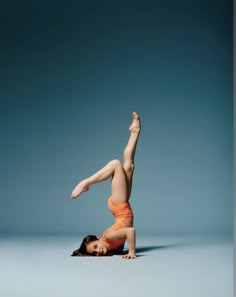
x=167, y=266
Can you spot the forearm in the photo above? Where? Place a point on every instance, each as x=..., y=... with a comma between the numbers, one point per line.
x=129, y=234
x=131, y=237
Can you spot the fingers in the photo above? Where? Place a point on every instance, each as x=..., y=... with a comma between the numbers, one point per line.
x=128, y=256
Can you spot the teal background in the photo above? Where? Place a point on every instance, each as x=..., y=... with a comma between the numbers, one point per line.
x=71, y=73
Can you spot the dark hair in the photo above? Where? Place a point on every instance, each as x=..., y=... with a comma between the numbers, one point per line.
x=82, y=250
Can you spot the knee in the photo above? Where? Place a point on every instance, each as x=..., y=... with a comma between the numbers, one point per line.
x=116, y=163
x=129, y=167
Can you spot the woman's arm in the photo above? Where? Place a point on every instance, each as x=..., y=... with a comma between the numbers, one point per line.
x=129, y=233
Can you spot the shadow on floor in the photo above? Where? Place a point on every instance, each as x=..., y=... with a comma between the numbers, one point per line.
x=147, y=249
x=151, y=248
x=159, y=247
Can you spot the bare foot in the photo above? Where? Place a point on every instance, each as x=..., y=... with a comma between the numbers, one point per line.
x=135, y=126
x=79, y=189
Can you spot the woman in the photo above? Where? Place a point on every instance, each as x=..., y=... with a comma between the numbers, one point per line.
x=113, y=239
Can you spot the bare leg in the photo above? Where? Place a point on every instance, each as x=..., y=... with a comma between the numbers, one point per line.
x=128, y=158
x=121, y=175
x=101, y=175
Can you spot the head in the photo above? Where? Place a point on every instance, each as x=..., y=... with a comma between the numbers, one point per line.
x=91, y=246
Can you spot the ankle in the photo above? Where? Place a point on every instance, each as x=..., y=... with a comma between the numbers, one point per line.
x=86, y=182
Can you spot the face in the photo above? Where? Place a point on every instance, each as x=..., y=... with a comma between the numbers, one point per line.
x=97, y=248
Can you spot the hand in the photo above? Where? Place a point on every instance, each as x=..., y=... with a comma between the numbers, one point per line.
x=129, y=256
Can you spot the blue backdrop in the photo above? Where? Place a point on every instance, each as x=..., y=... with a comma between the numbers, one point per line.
x=71, y=74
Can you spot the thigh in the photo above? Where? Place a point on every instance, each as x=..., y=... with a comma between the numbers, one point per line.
x=119, y=189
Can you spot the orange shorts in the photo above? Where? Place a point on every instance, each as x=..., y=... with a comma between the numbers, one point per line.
x=123, y=215
x=120, y=210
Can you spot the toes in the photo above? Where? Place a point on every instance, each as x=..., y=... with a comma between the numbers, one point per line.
x=135, y=116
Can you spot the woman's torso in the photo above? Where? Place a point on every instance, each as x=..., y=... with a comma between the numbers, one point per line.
x=123, y=216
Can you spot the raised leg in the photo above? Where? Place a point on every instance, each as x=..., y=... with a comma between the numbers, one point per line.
x=101, y=175
x=121, y=175
x=129, y=151
x=122, y=179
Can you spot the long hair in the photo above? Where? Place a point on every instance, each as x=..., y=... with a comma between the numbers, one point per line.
x=82, y=250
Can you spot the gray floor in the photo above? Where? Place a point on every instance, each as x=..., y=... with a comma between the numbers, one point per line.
x=168, y=266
